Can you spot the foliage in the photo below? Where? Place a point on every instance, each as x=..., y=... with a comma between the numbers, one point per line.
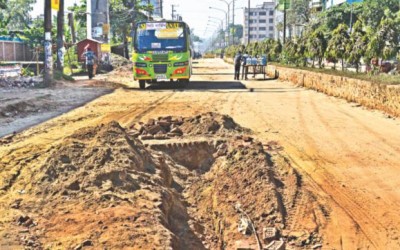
x=340, y=14
x=299, y=14
x=316, y=46
x=337, y=44
x=356, y=47
x=374, y=11
x=14, y=14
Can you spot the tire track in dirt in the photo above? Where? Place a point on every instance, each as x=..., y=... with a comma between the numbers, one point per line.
x=138, y=116
x=302, y=199
x=352, y=209
x=356, y=199
x=371, y=131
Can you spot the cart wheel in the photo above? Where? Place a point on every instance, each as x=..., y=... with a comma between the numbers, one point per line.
x=142, y=84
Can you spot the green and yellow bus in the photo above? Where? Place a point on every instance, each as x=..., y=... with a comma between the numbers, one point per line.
x=161, y=52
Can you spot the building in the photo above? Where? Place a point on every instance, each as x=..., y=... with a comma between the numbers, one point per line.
x=86, y=43
x=262, y=22
x=326, y=4
x=158, y=7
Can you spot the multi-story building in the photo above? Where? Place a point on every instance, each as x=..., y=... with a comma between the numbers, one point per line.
x=261, y=22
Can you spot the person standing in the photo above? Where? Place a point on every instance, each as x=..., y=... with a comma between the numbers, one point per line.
x=245, y=68
x=90, y=60
x=237, y=61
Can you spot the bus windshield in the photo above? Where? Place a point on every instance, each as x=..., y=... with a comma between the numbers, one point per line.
x=160, y=36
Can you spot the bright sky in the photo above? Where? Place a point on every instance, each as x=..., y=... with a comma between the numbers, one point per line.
x=38, y=8
x=194, y=12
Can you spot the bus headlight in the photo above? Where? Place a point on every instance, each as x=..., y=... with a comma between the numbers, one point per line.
x=180, y=71
x=180, y=64
x=140, y=65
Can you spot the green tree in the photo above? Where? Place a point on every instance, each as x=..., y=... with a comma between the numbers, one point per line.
x=337, y=44
x=385, y=39
x=316, y=46
x=299, y=14
x=356, y=47
x=14, y=14
x=373, y=11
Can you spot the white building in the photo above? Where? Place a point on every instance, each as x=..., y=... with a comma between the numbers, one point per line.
x=262, y=22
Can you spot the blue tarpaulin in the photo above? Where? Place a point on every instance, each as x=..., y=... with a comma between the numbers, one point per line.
x=11, y=39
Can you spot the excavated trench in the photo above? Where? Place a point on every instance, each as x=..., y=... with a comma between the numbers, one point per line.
x=171, y=183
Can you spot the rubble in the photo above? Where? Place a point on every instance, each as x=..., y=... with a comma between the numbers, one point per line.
x=168, y=127
x=21, y=82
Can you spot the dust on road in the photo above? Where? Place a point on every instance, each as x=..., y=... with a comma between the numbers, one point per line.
x=330, y=179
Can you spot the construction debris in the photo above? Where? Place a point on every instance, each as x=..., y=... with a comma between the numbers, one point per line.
x=21, y=82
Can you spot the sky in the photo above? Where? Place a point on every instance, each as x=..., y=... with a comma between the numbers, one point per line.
x=193, y=12
x=196, y=13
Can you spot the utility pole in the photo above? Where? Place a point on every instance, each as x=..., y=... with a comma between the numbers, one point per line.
x=161, y=9
x=48, y=60
x=60, y=37
x=233, y=22
x=248, y=23
x=284, y=23
x=148, y=12
x=89, y=19
x=173, y=11
x=72, y=26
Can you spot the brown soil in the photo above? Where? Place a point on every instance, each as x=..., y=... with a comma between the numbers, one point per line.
x=169, y=168
x=170, y=193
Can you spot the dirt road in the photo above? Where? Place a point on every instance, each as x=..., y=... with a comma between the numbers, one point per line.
x=348, y=158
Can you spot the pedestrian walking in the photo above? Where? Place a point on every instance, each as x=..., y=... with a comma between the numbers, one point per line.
x=90, y=61
x=237, y=62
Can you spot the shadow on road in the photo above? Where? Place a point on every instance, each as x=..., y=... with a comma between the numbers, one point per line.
x=214, y=86
x=200, y=85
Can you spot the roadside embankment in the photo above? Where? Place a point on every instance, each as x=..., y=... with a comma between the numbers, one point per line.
x=382, y=97
x=372, y=95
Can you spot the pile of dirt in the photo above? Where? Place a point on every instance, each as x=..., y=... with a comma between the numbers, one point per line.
x=168, y=127
x=211, y=187
x=18, y=108
x=118, y=61
x=211, y=124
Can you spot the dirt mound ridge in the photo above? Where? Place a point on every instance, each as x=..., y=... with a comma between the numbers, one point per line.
x=210, y=123
x=102, y=186
x=167, y=127
x=100, y=159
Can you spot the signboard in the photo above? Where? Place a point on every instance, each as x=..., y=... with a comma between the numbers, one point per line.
x=156, y=26
x=105, y=47
x=97, y=31
x=159, y=26
x=168, y=33
x=106, y=29
x=55, y=4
